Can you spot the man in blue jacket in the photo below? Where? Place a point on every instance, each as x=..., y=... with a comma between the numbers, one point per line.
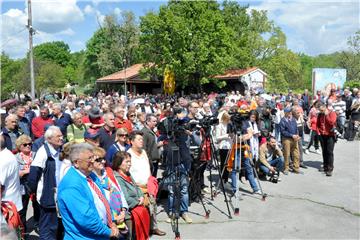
x=84, y=210
x=290, y=137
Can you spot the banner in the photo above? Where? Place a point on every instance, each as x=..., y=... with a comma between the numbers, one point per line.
x=169, y=81
x=325, y=79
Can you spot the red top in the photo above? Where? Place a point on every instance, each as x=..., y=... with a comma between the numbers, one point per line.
x=325, y=123
x=99, y=120
x=38, y=124
x=123, y=124
x=313, y=119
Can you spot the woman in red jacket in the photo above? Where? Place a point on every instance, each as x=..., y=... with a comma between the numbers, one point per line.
x=312, y=119
x=326, y=123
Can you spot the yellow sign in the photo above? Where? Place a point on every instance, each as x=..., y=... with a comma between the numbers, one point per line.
x=169, y=81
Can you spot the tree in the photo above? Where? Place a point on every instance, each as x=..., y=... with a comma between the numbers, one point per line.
x=190, y=38
x=49, y=77
x=351, y=59
x=113, y=46
x=57, y=52
x=14, y=77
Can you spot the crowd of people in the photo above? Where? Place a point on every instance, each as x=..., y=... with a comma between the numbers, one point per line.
x=90, y=165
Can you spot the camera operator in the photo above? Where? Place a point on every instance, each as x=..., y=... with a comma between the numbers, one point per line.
x=178, y=160
x=271, y=158
x=326, y=122
x=266, y=122
x=198, y=139
x=249, y=134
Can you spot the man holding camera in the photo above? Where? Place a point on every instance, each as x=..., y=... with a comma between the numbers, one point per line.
x=326, y=123
x=271, y=158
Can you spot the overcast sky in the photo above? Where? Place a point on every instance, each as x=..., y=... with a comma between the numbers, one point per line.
x=311, y=27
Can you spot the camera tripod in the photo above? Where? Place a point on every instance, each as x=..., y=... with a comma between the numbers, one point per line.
x=207, y=144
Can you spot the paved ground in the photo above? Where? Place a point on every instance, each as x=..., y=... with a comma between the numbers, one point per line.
x=309, y=206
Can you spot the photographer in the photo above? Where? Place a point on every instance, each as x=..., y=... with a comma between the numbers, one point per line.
x=326, y=123
x=249, y=134
x=178, y=163
x=271, y=158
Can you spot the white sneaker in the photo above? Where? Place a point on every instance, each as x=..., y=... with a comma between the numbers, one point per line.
x=318, y=151
x=186, y=218
x=205, y=190
x=306, y=151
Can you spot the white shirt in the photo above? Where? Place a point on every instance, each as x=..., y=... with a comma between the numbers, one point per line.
x=140, y=167
x=9, y=177
x=65, y=166
x=40, y=161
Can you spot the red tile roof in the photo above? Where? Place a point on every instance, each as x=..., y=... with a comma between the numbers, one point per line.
x=127, y=73
x=236, y=73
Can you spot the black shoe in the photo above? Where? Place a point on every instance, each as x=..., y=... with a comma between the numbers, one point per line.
x=328, y=173
x=302, y=165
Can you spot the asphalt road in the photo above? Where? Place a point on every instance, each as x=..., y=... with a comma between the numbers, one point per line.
x=309, y=206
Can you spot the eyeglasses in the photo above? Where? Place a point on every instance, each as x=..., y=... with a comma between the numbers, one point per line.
x=27, y=144
x=131, y=115
x=99, y=160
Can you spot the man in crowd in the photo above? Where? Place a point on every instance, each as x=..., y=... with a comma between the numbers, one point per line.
x=84, y=209
x=9, y=176
x=61, y=119
x=151, y=145
x=271, y=157
x=44, y=178
x=140, y=171
x=290, y=138
x=120, y=121
x=107, y=133
x=38, y=124
x=326, y=122
x=340, y=109
x=23, y=122
x=10, y=131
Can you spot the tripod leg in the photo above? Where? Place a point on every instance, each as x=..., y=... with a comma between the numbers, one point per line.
x=264, y=195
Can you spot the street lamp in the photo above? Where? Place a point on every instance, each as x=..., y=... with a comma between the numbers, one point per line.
x=125, y=89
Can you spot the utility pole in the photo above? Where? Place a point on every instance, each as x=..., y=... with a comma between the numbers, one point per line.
x=125, y=87
x=31, y=33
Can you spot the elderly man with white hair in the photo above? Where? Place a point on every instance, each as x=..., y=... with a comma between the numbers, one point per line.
x=10, y=131
x=44, y=177
x=83, y=206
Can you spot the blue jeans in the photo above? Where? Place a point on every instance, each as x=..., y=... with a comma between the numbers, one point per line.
x=249, y=172
x=184, y=194
x=278, y=163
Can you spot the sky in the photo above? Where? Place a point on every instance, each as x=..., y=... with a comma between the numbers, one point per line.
x=312, y=27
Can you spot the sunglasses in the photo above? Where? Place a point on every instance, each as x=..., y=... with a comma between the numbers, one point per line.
x=27, y=144
x=123, y=135
x=99, y=160
x=131, y=115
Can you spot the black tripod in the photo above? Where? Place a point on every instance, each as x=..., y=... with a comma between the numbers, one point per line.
x=174, y=178
x=214, y=161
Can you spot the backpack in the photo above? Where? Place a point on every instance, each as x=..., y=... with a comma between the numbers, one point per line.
x=12, y=217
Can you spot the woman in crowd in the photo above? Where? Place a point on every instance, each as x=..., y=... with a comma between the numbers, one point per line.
x=140, y=122
x=314, y=137
x=131, y=116
x=24, y=158
x=64, y=158
x=112, y=190
x=121, y=144
x=76, y=130
x=137, y=219
x=223, y=142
